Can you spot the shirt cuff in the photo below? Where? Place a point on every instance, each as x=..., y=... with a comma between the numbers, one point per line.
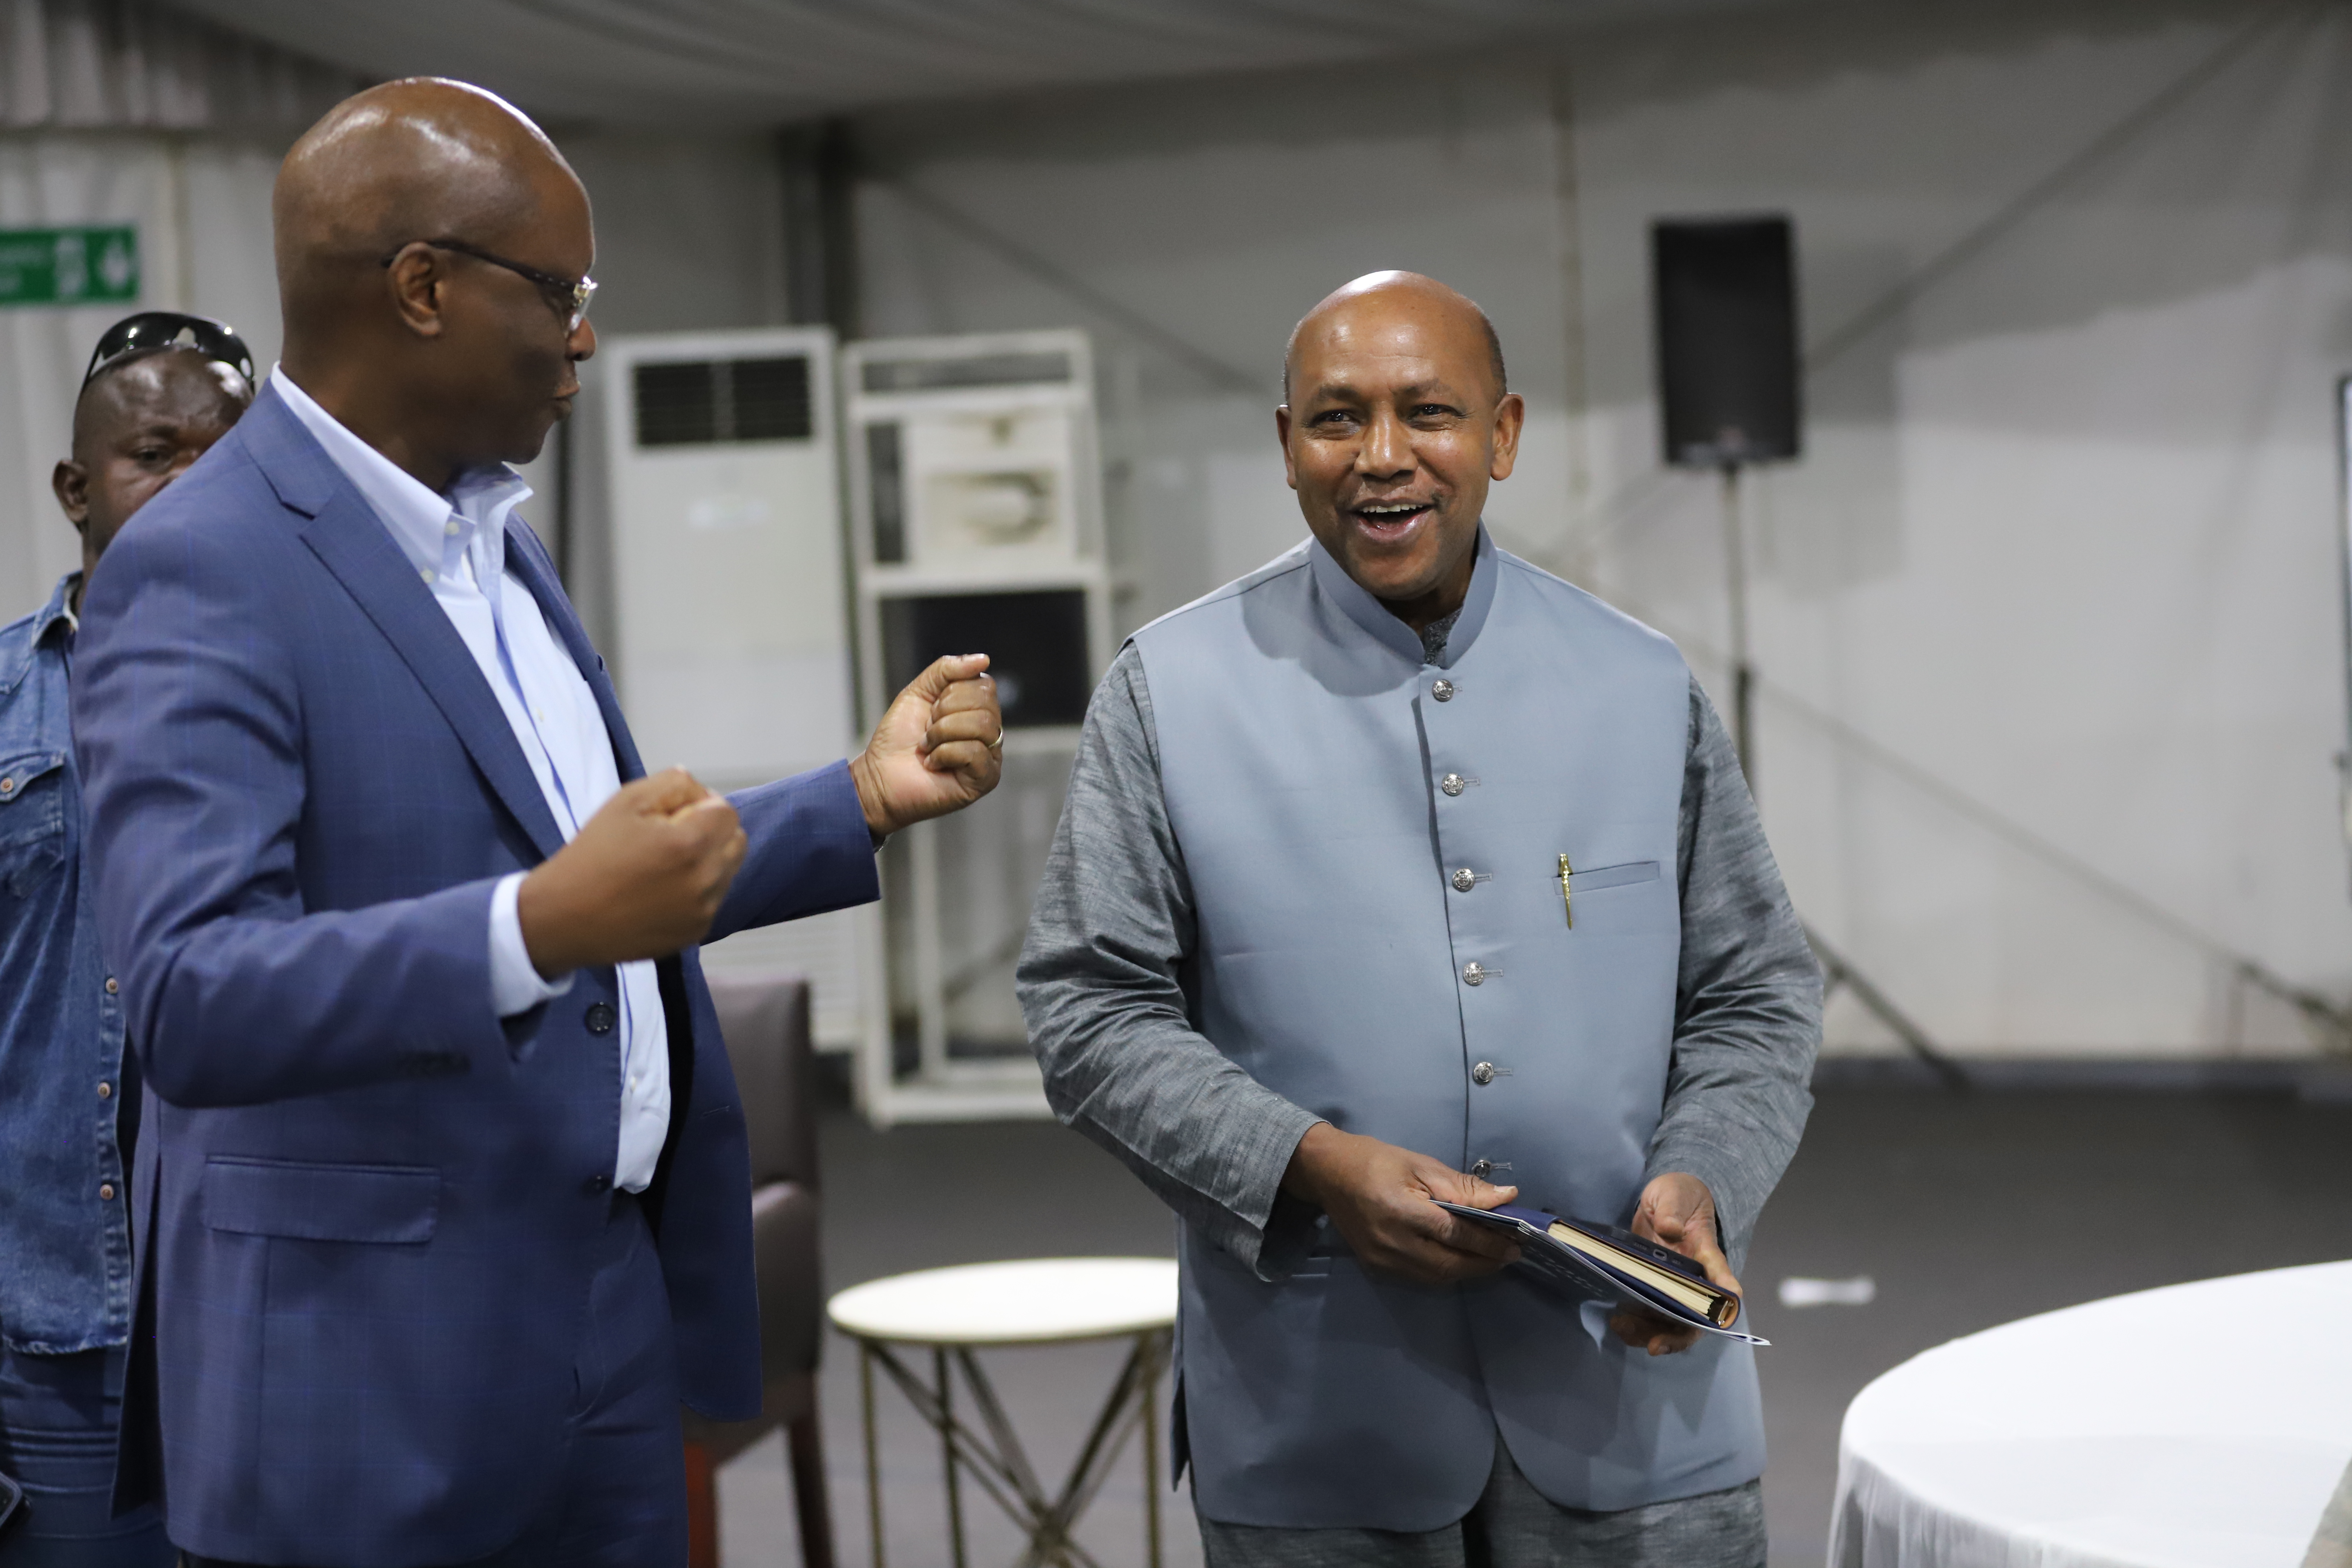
x=515, y=984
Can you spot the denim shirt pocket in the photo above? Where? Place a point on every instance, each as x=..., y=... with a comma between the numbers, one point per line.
x=32, y=819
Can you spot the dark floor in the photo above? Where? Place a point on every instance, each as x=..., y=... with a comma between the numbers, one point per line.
x=1968, y=1210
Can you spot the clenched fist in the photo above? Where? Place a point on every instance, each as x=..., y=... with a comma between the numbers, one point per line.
x=644, y=879
x=940, y=747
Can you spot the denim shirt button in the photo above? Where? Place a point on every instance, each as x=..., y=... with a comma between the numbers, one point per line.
x=113, y=986
x=105, y=1090
x=106, y=1191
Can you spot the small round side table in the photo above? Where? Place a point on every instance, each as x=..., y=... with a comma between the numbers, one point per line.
x=1037, y=1301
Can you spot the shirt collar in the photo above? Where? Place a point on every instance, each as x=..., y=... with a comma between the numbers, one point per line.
x=417, y=517
x=17, y=653
x=1375, y=617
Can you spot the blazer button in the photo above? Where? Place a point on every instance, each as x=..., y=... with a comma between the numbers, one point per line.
x=1482, y=1074
x=1465, y=880
x=597, y=1184
x=1442, y=689
x=600, y=1018
x=1452, y=784
x=1482, y=1169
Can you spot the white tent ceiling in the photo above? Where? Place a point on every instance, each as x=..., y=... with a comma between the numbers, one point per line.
x=762, y=61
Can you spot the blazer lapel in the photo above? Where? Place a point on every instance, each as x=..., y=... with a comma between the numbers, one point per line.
x=349, y=539
x=353, y=544
x=527, y=559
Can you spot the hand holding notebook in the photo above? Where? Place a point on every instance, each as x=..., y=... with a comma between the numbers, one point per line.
x=1677, y=1212
x=1378, y=1196
x=1666, y=1299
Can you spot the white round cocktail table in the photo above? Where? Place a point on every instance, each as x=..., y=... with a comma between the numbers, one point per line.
x=1039, y=1302
x=2200, y=1425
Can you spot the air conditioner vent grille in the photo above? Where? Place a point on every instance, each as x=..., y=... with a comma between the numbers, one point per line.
x=693, y=403
x=972, y=370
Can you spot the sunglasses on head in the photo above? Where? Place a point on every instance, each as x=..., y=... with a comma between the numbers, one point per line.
x=150, y=331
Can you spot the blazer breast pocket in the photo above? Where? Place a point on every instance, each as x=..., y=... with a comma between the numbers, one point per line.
x=384, y=1205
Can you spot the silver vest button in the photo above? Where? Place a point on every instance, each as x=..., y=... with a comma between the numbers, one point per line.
x=1465, y=880
x=1474, y=974
x=1452, y=784
x=1484, y=1073
x=1442, y=689
x=1482, y=1169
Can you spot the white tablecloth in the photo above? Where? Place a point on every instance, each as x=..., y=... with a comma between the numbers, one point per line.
x=2197, y=1427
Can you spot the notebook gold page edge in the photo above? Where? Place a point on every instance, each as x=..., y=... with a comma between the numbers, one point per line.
x=1702, y=1300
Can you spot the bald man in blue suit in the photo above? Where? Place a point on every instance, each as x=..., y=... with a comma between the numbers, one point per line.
x=444, y=1201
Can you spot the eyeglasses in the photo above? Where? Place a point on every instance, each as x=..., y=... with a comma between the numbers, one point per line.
x=150, y=332
x=569, y=296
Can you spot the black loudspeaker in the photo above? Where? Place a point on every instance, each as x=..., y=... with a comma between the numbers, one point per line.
x=1724, y=292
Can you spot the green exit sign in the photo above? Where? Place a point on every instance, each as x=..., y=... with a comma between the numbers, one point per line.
x=69, y=266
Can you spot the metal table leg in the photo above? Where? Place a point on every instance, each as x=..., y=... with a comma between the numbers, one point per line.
x=873, y=1461
x=946, y=1425
x=996, y=1461
x=1151, y=1456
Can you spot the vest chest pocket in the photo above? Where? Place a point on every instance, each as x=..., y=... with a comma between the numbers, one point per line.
x=1623, y=876
x=32, y=820
x=1576, y=889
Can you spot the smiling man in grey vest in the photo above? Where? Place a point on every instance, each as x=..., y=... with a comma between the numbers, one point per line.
x=1302, y=958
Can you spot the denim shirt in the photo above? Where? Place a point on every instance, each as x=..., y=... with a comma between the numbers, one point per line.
x=65, y=1225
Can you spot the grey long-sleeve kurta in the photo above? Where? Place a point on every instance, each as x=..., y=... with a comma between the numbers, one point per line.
x=1103, y=987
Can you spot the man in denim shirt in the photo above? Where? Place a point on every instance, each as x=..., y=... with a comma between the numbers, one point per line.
x=160, y=390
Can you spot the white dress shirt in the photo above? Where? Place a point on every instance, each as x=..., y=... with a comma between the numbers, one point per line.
x=459, y=544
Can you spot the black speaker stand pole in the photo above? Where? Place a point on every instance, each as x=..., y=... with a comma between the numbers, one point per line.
x=1743, y=671
x=1836, y=969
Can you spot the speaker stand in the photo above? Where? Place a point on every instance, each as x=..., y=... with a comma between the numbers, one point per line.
x=1836, y=970
x=1743, y=671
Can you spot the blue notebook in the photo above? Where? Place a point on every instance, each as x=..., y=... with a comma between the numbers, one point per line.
x=1609, y=1264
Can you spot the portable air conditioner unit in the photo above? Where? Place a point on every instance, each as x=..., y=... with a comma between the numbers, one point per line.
x=976, y=527
x=733, y=640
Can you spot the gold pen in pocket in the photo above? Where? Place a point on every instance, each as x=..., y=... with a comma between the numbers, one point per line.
x=1567, y=900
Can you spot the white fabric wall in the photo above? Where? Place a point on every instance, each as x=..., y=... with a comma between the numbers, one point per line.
x=202, y=205
x=2060, y=568
x=125, y=113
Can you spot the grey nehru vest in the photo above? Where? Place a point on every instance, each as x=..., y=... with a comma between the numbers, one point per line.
x=1374, y=845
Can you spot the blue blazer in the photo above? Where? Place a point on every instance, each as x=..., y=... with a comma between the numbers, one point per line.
x=366, y=1207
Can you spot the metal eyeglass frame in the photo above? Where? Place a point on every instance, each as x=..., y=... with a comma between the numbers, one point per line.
x=577, y=291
